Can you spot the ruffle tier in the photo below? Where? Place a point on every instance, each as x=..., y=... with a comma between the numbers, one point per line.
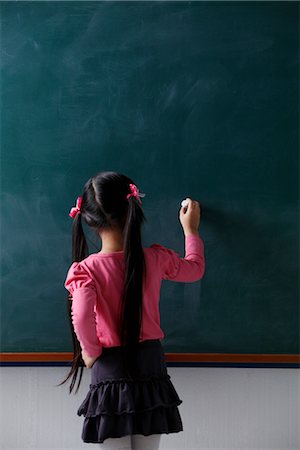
x=115, y=408
x=127, y=396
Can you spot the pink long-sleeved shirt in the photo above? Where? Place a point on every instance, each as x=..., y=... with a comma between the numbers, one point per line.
x=96, y=283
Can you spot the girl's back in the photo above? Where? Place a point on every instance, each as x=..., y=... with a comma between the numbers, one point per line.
x=100, y=277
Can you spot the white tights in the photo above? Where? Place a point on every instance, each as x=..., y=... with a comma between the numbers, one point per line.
x=132, y=442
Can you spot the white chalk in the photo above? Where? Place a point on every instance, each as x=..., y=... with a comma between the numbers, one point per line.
x=184, y=203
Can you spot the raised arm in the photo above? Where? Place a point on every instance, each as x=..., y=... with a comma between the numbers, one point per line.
x=192, y=266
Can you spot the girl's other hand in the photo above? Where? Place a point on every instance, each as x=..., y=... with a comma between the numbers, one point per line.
x=189, y=216
x=88, y=360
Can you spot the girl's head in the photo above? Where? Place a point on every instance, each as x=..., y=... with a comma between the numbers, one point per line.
x=107, y=203
x=104, y=201
x=111, y=201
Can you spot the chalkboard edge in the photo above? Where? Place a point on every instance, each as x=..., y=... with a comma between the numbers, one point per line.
x=179, y=364
x=172, y=359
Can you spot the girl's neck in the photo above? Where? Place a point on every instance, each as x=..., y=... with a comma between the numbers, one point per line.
x=112, y=240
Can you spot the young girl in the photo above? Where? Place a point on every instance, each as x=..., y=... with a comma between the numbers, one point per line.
x=114, y=314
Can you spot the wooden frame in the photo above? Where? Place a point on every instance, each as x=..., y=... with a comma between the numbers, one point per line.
x=209, y=358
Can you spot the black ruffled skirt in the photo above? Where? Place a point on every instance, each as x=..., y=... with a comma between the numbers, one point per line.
x=118, y=403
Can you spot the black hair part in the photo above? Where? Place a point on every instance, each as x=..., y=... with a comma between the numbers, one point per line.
x=79, y=252
x=105, y=206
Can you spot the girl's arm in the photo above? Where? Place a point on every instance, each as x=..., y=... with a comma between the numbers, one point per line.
x=192, y=266
x=88, y=360
x=187, y=269
x=83, y=293
x=84, y=322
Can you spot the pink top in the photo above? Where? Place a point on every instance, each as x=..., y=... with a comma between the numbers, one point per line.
x=96, y=283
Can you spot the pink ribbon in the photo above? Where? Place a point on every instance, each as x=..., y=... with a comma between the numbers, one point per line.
x=75, y=210
x=134, y=192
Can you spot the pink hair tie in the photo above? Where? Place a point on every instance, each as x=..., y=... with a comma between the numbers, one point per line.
x=134, y=192
x=75, y=210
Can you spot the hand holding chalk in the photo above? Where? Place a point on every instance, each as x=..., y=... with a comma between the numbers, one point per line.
x=189, y=216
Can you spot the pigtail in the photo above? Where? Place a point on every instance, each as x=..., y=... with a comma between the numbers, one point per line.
x=79, y=252
x=131, y=314
x=79, y=244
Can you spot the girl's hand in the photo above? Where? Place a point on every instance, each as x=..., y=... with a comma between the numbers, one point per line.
x=88, y=360
x=189, y=216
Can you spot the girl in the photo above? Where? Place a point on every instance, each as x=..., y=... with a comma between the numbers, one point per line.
x=114, y=314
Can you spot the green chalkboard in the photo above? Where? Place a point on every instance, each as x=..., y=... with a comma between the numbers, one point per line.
x=192, y=99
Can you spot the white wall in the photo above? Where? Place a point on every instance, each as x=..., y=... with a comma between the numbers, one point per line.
x=223, y=408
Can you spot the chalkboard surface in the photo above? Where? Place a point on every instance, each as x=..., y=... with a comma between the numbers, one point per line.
x=192, y=99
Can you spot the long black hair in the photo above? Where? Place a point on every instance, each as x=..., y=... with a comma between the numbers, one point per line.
x=105, y=205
